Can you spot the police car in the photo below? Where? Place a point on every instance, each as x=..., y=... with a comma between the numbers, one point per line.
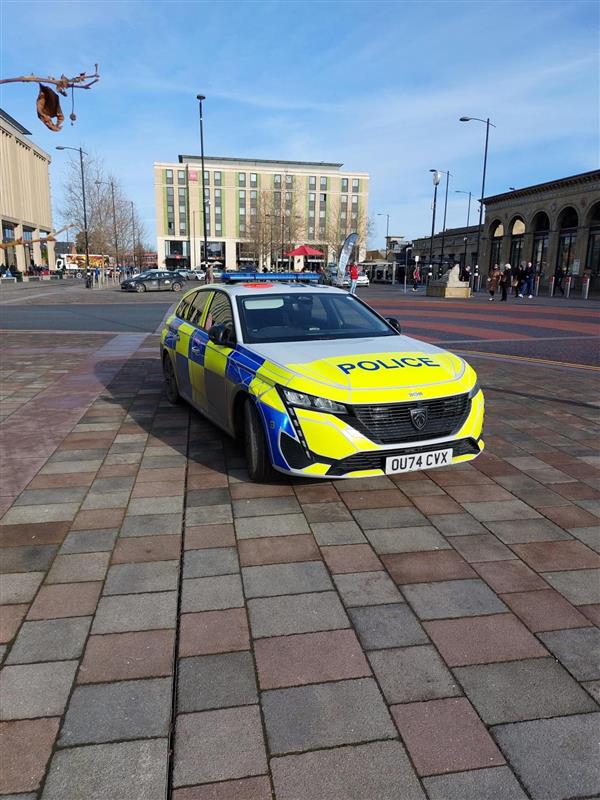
x=317, y=384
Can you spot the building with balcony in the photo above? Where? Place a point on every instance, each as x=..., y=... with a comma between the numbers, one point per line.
x=256, y=211
x=25, y=208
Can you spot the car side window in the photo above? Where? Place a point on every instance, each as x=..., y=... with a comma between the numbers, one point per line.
x=197, y=306
x=220, y=312
x=183, y=309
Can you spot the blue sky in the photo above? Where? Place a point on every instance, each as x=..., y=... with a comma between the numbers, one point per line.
x=377, y=85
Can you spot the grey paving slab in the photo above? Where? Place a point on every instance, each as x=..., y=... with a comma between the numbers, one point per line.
x=377, y=518
x=36, y=690
x=19, y=796
x=216, y=681
x=527, y=530
x=325, y=715
x=593, y=687
x=577, y=649
x=411, y=674
x=329, y=533
x=513, y=691
x=218, y=746
x=151, y=576
x=89, y=541
x=79, y=567
x=367, y=589
x=554, y=758
x=579, y=586
x=48, y=512
x=116, y=484
x=207, y=497
x=331, y=511
x=299, y=613
x=378, y=770
x=78, y=455
x=210, y=561
x=589, y=536
x=123, y=771
x=406, y=540
x=155, y=505
x=446, y=599
x=297, y=578
x=19, y=587
x=257, y=527
x=135, y=612
x=69, y=494
x=265, y=506
x=50, y=640
x=393, y=625
x=27, y=559
x=208, y=515
x=497, y=783
x=151, y=525
x=494, y=510
x=122, y=710
x=456, y=524
x=104, y=500
x=66, y=468
x=211, y=594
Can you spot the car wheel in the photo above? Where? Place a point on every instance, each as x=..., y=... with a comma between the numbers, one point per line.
x=176, y=287
x=171, y=388
x=255, y=445
x=140, y=287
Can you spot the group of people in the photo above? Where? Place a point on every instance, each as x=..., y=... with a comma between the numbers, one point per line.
x=520, y=279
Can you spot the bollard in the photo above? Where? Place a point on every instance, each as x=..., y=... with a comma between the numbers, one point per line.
x=404, y=281
x=568, y=282
x=585, y=286
x=537, y=286
x=551, y=286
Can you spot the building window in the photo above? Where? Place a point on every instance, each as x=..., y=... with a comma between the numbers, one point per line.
x=241, y=178
x=253, y=196
x=218, y=228
x=344, y=184
x=312, y=182
x=217, y=178
x=182, y=229
x=217, y=197
x=323, y=184
x=289, y=180
x=355, y=184
x=182, y=210
x=242, y=196
x=344, y=199
x=169, y=175
x=206, y=177
x=343, y=214
x=311, y=212
x=354, y=200
x=181, y=193
x=253, y=179
x=181, y=177
x=322, y=214
x=277, y=198
x=242, y=211
x=277, y=181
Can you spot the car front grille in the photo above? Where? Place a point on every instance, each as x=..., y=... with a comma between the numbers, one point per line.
x=376, y=459
x=387, y=424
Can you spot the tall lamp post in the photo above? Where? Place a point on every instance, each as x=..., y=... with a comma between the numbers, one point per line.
x=133, y=232
x=462, y=191
x=437, y=177
x=387, y=231
x=85, y=225
x=114, y=211
x=447, y=174
x=200, y=98
x=487, y=124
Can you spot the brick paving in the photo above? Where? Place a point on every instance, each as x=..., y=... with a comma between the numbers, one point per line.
x=170, y=629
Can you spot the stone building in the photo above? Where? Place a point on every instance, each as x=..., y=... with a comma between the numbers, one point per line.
x=553, y=224
x=458, y=245
x=24, y=198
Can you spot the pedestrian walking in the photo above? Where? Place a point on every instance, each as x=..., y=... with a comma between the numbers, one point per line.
x=559, y=274
x=529, y=280
x=493, y=280
x=505, y=279
x=353, y=278
x=416, y=276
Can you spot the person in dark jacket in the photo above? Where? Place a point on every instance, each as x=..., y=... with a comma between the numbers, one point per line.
x=558, y=279
x=504, y=283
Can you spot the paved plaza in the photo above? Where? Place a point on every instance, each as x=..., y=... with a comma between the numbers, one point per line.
x=171, y=630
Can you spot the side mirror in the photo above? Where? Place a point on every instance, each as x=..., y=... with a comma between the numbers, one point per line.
x=394, y=323
x=221, y=335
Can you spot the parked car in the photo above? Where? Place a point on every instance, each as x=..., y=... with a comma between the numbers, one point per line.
x=155, y=280
x=363, y=280
x=191, y=274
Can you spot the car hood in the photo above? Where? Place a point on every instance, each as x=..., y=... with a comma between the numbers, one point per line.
x=388, y=369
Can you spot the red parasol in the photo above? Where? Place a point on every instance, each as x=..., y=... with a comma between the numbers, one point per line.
x=304, y=250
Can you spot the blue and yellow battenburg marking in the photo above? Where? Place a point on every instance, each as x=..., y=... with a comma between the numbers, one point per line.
x=320, y=433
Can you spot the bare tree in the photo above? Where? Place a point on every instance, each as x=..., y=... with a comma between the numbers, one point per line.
x=98, y=195
x=273, y=229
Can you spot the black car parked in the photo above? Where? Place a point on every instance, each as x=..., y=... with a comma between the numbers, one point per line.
x=155, y=280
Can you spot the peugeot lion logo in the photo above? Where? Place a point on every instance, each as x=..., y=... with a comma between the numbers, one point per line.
x=418, y=417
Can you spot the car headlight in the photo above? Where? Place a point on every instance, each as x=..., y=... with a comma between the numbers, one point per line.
x=309, y=401
x=474, y=390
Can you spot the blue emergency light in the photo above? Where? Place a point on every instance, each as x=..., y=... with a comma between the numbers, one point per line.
x=269, y=277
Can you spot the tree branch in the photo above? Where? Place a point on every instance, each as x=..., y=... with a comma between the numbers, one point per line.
x=81, y=81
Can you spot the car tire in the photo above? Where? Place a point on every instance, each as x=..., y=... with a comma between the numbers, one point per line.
x=255, y=445
x=140, y=287
x=171, y=388
x=175, y=287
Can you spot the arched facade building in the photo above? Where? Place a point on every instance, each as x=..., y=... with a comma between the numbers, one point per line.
x=551, y=224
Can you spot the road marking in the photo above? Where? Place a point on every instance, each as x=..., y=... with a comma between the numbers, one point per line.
x=27, y=297
x=531, y=360
x=586, y=337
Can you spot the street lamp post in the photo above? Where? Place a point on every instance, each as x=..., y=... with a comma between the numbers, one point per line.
x=487, y=124
x=200, y=98
x=85, y=225
x=462, y=191
x=437, y=176
x=133, y=232
x=114, y=211
x=387, y=231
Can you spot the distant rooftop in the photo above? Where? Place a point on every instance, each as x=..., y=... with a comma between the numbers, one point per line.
x=187, y=159
x=582, y=177
x=12, y=121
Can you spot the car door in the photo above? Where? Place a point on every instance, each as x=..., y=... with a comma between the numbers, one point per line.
x=216, y=358
x=165, y=280
x=178, y=341
x=152, y=282
x=197, y=346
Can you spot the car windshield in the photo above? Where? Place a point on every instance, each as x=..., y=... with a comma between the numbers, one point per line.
x=302, y=317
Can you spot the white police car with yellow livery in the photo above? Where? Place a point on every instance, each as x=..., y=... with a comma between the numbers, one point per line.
x=317, y=384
